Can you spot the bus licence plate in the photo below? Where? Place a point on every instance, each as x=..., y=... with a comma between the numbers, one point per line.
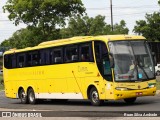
x=139, y=93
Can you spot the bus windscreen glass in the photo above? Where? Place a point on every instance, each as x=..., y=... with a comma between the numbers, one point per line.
x=132, y=60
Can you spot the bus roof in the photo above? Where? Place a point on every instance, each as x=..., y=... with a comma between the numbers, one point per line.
x=84, y=38
x=77, y=40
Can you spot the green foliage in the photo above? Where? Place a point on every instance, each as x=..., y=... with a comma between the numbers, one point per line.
x=44, y=18
x=84, y=26
x=46, y=15
x=158, y=85
x=1, y=83
x=1, y=87
x=81, y=26
x=28, y=37
x=150, y=27
x=43, y=12
x=120, y=28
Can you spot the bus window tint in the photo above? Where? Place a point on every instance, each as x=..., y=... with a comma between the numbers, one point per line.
x=7, y=61
x=86, y=54
x=97, y=47
x=35, y=59
x=21, y=61
x=71, y=54
x=100, y=50
x=13, y=58
x=102, y=59
x=98, y=55
x=57, y=53
x=51, y=57
x=45, y=57
x=29, y=61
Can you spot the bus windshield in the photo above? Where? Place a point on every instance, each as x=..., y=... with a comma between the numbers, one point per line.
x=132, y=61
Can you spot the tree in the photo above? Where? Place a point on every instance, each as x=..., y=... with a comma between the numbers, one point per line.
x=150, y=27
x=28, y=37
x=120, y=28
x=19, y=39
x=82, y=26
x=44, y=14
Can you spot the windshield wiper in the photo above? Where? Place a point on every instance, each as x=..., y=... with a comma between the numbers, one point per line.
x=142, y=69
x=136, y=68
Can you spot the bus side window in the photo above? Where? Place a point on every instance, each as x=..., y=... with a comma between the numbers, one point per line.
x=45, y=57
x=71, y=54
x=100, y=50
x=35, y=58
x=98, y=55
x=58, y=57
x=29, y=60
x=21, y=61
x=97, y=48
x=86, y=54
x=8, y=61
x=51, y=56
x=102, y=59
x=13, y=60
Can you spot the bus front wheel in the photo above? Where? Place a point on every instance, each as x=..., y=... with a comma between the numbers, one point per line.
x=94, y=97
x=23, y=96
x=31, y=96
x=130, y=100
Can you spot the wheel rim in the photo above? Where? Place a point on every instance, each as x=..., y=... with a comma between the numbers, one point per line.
x=95, y=97
x=31, y=97
x=23, y=96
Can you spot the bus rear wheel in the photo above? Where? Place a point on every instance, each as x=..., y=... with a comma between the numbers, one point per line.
x=130, y=100
x=23, y=96
x=31, y=96
x=94, y=97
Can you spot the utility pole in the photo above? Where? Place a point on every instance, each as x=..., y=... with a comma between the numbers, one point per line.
x=111, y=15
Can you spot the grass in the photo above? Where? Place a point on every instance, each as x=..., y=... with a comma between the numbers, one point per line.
x=1, y=86
x=158, y=85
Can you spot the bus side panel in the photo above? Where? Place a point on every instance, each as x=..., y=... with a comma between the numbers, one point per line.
x=8, y=83
x=88, y=74
x=8, y=89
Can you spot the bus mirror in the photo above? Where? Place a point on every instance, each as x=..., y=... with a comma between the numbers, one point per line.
x=111, y=59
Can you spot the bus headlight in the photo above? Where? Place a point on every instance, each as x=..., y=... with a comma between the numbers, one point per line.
x=151, y=86
x=121, y=88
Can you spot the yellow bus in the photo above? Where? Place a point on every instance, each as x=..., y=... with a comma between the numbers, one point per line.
x=98, y=68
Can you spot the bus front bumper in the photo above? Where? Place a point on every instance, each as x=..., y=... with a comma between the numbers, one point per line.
x=122, y=94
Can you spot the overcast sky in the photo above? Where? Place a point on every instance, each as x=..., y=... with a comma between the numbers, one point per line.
x=128, y=10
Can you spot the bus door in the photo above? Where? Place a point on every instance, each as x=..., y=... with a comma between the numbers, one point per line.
x=103, y=64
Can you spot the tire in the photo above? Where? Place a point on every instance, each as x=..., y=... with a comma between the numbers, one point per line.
x=130, y=100
x=23, y=96
x=31, y=96
x=94, y=97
